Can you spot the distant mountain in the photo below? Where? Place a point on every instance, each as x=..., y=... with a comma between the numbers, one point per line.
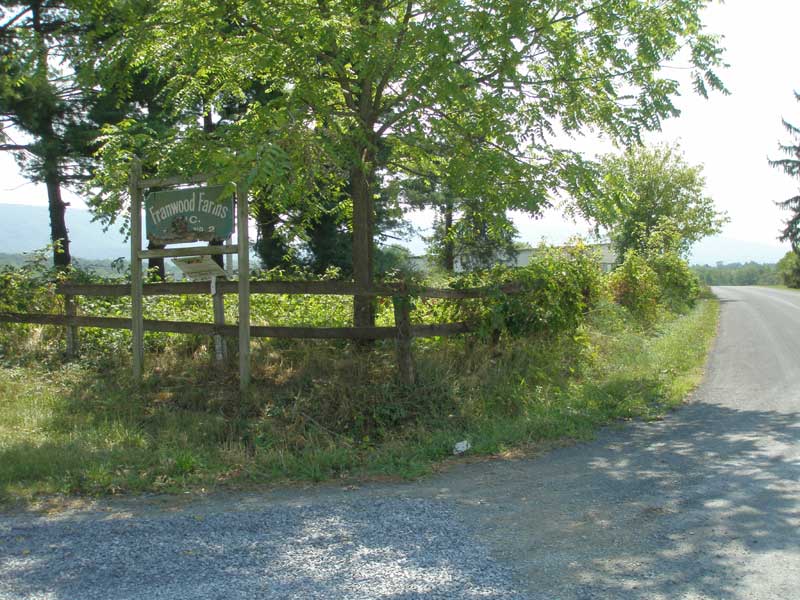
x=26, y=228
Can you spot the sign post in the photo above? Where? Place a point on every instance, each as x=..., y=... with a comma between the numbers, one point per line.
x=244, y=285
x=189, y=214
x=137, y=309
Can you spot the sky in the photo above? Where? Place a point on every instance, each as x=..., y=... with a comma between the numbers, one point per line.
x=732, y=136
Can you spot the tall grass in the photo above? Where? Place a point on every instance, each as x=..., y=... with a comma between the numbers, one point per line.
x=321, y=410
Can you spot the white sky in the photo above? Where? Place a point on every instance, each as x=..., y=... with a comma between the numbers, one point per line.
x=731, y=135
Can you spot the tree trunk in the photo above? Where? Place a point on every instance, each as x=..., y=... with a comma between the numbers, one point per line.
x=209, y=127
x=270, y=247
x=218, y=258
x=58, y=209
x=449, y=258
x=156, y=264
x=363, y=224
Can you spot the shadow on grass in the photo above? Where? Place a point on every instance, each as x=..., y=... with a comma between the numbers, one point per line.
x=187, y=423
x=688, y=507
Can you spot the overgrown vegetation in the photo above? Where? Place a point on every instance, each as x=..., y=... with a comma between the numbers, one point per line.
x=549, y=364
x=789, y=270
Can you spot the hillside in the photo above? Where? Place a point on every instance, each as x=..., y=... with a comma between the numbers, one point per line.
x=26, y=228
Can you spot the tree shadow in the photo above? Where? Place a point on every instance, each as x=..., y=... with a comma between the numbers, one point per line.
x=703, y=504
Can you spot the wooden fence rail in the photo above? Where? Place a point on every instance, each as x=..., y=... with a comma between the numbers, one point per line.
x=256, y=331
x=325, y=288
x=403, y=332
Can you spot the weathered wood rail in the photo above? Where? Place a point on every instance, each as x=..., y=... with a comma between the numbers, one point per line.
x=403, y=332
x=325, y=288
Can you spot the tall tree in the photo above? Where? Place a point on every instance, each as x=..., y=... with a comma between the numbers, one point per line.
x=38, y=102
x=791, y=166
x=51, y=106
x=370, y=85
x=466, y=231
x=643, y=188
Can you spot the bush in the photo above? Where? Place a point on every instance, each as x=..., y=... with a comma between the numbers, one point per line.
x=552, y=294
x=680, y=287
x=789, y=269
x=634, y=285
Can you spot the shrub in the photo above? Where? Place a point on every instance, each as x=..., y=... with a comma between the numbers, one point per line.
x=789, y=269
x=634, y=285
x=552, y=294
x=680, y=287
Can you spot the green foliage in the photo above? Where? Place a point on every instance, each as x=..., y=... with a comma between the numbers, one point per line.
x=333, y=94
x=467, y=233
x=550, y=295
x=655, y=276
x=678, y=284
x=750, y=273
x=29, y=287
x=645, y=187
x=789, y=269
x=320, y=410
x=634, y=285
x=791, y=166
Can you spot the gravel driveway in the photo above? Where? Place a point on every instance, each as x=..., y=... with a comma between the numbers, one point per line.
x=704, y=504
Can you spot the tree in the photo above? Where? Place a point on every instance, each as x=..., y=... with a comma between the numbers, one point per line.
x=38, y=102
x=465, y=231
x=789, y=269
x=49, y=96
x=643, y=189
x=791, y=166
x=371, y=87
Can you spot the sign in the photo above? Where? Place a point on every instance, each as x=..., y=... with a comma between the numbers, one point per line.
x=199, y=268
x=189, y=215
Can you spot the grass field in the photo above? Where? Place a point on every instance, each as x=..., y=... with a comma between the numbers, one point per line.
x=327, y=410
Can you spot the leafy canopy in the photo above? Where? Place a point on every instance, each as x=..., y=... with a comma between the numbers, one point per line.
x=375, y=88
x=645, y=190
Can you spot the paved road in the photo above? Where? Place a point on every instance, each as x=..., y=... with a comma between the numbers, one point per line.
x=704, y=504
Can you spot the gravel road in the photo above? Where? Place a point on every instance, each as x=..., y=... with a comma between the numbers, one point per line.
x=704, y=504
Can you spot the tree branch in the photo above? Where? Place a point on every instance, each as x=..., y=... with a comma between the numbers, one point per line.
x=15, y=147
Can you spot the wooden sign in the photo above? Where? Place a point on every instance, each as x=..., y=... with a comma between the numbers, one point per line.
x=199, y=268
x=189, y=215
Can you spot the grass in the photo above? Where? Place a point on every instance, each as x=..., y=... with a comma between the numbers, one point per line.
x=324, y=410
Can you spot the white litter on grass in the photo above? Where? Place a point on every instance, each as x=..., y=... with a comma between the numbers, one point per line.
x=461, y=447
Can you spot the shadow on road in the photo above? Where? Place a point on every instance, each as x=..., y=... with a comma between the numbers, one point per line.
x=685, y=508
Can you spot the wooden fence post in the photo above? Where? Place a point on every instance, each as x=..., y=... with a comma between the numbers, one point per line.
x=402, y=320
x=137, y=306
x=73, y=341
x=220, y=345
x=244, y=285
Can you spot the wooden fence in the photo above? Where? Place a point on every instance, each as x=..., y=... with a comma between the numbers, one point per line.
x=403, y=331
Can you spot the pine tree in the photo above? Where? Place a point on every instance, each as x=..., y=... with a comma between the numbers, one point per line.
x=791, y=166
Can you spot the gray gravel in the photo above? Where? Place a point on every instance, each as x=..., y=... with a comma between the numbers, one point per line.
x=702, y=505
x=370, y=548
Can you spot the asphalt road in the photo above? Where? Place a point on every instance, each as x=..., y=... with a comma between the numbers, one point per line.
x=704, y=504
